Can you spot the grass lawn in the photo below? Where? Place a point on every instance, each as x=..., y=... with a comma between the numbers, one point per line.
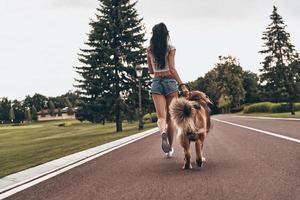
x=278, y=115
x=22, y=147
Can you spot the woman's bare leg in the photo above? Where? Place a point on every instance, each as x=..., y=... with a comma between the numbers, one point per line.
x=160, y=107
x=171, y=127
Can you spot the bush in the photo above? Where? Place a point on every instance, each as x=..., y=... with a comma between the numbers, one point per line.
x=258, y=107
x=297, y=106
x=236, y=110
x=269, y=107
x=150, y=118
x=280, y=107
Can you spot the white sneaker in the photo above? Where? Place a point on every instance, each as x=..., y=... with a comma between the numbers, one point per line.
x=170, y=153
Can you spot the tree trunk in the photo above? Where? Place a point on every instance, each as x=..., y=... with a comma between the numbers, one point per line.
x=117, y=90
x=118, y=116
x=292, y=108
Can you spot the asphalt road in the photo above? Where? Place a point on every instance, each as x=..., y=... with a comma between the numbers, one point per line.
x=241, y=164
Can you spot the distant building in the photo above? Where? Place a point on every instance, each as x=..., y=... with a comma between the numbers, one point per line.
x=59, y=114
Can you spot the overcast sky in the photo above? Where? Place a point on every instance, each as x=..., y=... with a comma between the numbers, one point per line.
x=40, y=39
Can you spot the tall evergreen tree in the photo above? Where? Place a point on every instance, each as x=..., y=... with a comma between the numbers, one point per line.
x=115, y=48
x=281, y=69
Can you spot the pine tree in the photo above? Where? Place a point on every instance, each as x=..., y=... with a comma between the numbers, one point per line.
x=280, y=72
x=115, y=49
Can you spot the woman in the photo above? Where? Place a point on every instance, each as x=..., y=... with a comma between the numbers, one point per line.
x=161, y=63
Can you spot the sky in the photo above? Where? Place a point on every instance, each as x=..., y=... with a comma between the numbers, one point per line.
x=40, y=39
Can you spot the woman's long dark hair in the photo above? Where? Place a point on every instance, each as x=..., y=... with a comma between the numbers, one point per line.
x=159, y=44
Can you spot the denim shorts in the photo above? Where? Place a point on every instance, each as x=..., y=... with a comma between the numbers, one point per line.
x=164, y=86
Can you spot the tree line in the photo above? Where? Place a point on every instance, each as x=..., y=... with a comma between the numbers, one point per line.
x=108, y=87
x=279, y=80
x=26, y=110
x=115, y=46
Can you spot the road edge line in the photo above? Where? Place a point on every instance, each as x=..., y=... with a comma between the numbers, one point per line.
x=260, y=131
x=274, y=118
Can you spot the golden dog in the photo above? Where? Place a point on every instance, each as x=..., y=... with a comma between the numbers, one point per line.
x=191, y=115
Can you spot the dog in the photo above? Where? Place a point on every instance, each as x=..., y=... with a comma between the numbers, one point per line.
x=191, y=115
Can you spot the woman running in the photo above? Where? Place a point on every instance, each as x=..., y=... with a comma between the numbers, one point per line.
x=161, y=63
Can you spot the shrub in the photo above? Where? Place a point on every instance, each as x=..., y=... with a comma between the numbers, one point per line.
x=297, y=106
x=269, y=107
x=150, y=118
x=258, y=107
x=279, y=107
x=236, y=110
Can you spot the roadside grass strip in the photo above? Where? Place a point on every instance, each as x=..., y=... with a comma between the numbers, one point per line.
x=29, y=145
x=35, y=175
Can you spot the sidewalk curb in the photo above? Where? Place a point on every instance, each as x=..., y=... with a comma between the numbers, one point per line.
x=19, y=181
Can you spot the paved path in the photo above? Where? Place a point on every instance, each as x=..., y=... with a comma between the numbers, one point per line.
x=241, y=164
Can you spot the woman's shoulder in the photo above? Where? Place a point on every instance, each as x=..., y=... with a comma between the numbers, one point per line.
x=171, y=47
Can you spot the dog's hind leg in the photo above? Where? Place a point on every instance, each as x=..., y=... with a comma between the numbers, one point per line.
x=187, y=158
x=199, y=151
x=202, y=145
x=198, y=145
x=185, y=143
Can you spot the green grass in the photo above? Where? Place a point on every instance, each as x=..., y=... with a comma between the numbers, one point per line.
x=275, y=115
x=22, y=147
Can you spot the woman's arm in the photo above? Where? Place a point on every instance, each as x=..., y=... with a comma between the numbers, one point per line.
x=150, y=67
x=173, y=71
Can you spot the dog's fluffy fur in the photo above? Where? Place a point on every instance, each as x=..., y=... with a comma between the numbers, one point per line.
x=192, y=117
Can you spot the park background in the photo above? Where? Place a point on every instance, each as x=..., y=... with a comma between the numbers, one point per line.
x=41, y=41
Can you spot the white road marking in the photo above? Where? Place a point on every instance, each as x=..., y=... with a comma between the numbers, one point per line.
x=260, y=131
x=272, y=118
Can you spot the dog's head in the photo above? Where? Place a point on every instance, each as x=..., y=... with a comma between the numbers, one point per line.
x=200, y=97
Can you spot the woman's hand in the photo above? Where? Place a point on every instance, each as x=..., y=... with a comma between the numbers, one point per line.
x=185, y=90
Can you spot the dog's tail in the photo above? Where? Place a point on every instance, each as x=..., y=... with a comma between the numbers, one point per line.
x=181, y=111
